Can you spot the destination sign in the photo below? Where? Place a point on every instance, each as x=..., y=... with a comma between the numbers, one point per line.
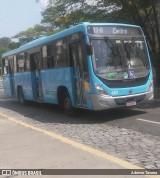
x=114, y=30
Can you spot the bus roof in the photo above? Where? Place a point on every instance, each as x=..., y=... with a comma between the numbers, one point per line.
x=48, y=39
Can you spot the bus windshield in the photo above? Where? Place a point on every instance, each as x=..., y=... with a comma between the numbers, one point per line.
x=118, y=58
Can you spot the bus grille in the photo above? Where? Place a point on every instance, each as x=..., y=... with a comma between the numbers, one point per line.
x=125, y=83
x=123, y=101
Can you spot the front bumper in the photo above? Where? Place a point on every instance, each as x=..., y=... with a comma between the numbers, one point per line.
x=102, y=102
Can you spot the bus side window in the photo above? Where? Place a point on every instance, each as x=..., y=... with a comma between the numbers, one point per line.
x=50, y=54
x=5, y=66
x=44, y=56
x=50, y=62
x=8, y=66
x=35, y=60
x=47, y=53
x=5, y=70
x=27, y=62
x=74, y=57
x=21, y=62
x=11, y=64
x=60, y=50
x=33, y=64
x=15, y=63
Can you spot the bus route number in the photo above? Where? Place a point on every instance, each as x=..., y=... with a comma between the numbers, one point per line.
x=98, y=30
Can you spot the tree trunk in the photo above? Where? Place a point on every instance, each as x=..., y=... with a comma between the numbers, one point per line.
x=156, y=23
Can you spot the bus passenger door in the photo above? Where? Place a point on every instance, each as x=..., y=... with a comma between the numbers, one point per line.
x=11, y=64
x=36, y=67
x=76, y=61
x=8, y=77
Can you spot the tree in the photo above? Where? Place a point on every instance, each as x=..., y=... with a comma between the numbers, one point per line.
x=62, y=14
x=2, y=50
x=33, y=33
x=4, y=42
x=7, y=44
x=14, y=45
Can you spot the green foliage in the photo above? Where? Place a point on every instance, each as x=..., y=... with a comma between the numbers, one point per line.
x=2, y=50
x=4, y=42
x=5, y=45
x=64, y=13
x=14, y=45
x=33, y=33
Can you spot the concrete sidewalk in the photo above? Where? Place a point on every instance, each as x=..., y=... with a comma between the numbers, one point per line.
x=25, y=148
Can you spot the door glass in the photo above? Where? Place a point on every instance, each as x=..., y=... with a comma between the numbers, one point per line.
x=75, y=59
x=81, y=64
x=75, y=63
x=36, y=66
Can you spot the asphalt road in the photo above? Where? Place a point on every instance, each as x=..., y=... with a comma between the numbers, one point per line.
x=144, y=118
x=129, y=133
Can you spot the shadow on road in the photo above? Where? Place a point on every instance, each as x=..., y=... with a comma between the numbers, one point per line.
x=149, y=105
x=47, y=113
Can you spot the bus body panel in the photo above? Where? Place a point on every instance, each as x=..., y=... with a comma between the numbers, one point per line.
x=7, y=84
x=115, y=92
x=52, y=79
x=24, y=80
x=118, y=97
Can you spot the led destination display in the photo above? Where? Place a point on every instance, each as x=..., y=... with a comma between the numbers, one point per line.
x=114, y=30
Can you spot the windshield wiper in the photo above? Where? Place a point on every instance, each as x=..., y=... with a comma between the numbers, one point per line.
x=112, y=46
x=115, y=51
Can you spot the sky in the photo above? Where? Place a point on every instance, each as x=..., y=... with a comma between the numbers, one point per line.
x=19, y=15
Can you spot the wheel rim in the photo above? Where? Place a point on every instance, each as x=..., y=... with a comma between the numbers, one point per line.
x=67, y=104
x=21, y=97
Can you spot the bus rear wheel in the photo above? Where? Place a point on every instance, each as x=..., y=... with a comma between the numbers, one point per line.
x=67, y=105
x=21, y=96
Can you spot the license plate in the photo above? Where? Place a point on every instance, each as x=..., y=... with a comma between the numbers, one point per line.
x=131, y=103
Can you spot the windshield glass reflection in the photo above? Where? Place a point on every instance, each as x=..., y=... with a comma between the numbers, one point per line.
x=116, y=59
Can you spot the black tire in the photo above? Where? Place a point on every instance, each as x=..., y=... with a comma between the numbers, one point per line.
x=21, y=96
x=66, y=105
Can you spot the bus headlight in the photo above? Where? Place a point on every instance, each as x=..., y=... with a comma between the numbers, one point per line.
x=100, y=90
x=150, y=88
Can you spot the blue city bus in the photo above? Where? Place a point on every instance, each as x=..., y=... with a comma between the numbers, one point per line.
x=95, y=66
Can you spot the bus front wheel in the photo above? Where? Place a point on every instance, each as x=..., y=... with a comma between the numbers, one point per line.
x=67, y=105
